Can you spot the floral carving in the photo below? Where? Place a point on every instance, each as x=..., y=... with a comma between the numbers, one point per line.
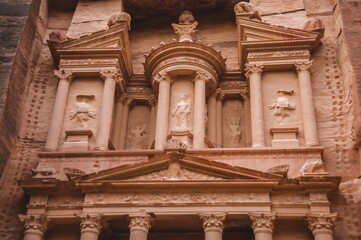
x=278, y=54
x=35, y=222
x=90, y=221
x=73, y=172
x=88, y=61
x=262, y=221
x=253, y=69
x=219, y=94
x=139, y=222
x=321, y=221
x=109, y=74
x=175, y=145
x=213, y=222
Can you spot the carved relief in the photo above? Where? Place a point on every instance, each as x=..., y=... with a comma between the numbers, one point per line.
x=262, y=221
x=119, y=17
x=88, y=61
x=247, y=8
x=175, y=145
x=73, y=172
x=82, y=112
x=186, y=27
x=65, y=199
x=43, y=172
x=174, y=172
x=317, y=222
x=234, y=131
x=139, y=222
x=137, y=137
x=313, y=24
x=282, y=105
x=90, y=221
x=181, y=113
x=213, y=222
x=174, y=198
x=278, y=54
x=253, y=69
x=290, y=199
x=313, y=168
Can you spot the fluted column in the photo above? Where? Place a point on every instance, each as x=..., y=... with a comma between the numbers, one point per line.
x=212, y=118
x=162, y=124
x=262, y=225
x=57, y=118
x=35, y=226
x=308, y=109
x=90, y=226
x=199, y=109
x=247, y=118
x=106, y=114
x=254, y=73
x=117, y=122
x=213, y=225
x=127, y=102
x=321, y=225
x=139, y=227
x=153, y=114
x=219, y=118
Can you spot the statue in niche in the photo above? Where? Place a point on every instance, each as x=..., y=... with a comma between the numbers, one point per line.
x=282, y=106
x=182, y=114
x=82, y=111
x=235, y=132
x=137, y=137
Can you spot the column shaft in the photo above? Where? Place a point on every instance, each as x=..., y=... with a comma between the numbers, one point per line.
x=89, y=234
x=247, y=122
x=57, y=118
x=255, y=83
x=124, y=122
x=162, y=114
x=219, y=118
x=106, y=114
x=199, y=113
x=153, y=115
x=33, y=235
x=212, y=118
x=117, y=124
x=308, y=109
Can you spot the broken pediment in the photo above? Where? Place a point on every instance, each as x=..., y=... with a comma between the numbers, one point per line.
x=109, y=46
x=177, y=167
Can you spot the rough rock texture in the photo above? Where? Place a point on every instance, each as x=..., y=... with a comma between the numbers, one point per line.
x=26, y=77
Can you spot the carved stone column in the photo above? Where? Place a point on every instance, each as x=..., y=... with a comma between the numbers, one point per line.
x=308, y=109
x=117, y=122
x=247, y=118
x=162, y=124
x=90, y=226
x=35, y=226
x=106, y=114
x=199, y=110
x=212, y=118
x=127, y=102
x=254, y=73
x=213, y=225
x=139, y=227
x=321, y=225
x=219, y=118
x=153, y=114
x=57, y=119
x=262, y=225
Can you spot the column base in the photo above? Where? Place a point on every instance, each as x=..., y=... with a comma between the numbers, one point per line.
x=77, y=140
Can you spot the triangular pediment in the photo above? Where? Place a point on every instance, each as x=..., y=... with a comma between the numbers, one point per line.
x=252, y=30
x=176, y=167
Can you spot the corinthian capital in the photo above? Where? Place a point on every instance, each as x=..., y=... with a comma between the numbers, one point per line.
x=244, y=95
x=204, y=76
x=126, y=100
x=110, y=74
x=321, y=222
x=162, y=76
x=219, y=94
x=152, y=100
x=139, y=222
x=304, y=66
x=88, y=221
x=262, y=221
x=63, y=74
x=213, y=222
x=253, y=69
x=35, y=222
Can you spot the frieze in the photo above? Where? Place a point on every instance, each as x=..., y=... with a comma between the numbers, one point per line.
x=88, y=61
x=290, y=199
x=278, y=54
x=173, y=198
x=233, y=84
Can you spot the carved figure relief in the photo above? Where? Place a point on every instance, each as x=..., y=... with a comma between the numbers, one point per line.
x=82, y=111
x=137, y=137
x=247, y=8
x=186, y=27
x=282, y=105
x=234, y=132
x=182, y=113
x=313, y=168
